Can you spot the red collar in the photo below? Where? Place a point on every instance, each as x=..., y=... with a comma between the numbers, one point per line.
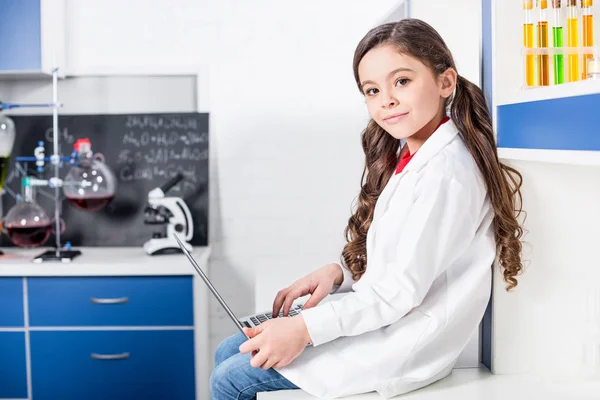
x=406, y=157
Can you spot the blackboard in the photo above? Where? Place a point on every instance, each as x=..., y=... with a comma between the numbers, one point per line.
x=142, y=150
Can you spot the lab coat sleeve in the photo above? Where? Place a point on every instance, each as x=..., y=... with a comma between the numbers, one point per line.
x=347, y=282
x=439, y=228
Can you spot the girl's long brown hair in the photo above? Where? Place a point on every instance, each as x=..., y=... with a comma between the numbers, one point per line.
x=469, y=112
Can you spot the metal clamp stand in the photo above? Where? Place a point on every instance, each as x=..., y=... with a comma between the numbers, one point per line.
x=58, y=253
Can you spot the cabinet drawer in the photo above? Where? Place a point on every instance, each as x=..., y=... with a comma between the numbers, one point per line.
x=13, y=373
x=111, y=301
x=11, y=299
x=99, y=365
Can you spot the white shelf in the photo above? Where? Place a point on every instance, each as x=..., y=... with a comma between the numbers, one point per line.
x=28, y=74
x=571, y=157
x=579, y=88
x=137, y=70
x=477, y=384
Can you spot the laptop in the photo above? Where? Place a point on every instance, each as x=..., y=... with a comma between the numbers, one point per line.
x=250, y=321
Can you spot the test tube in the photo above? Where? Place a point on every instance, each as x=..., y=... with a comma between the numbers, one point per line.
x=593, y=67
x=557, y=42
x=528, y=40
x=542, y=41
x=587, y=20
x=573, y=39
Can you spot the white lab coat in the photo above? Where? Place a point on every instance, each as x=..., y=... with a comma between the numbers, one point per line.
x=430, y=250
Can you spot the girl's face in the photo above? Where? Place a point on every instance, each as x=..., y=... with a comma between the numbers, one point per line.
x=401, y=92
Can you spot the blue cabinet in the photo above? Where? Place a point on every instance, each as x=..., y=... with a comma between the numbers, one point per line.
x=112, y=365
x=568, y=123
x=33, y=38
x=117, y=337
x=11, y=301
x=13, y=371
x=20, y=29
x=111, y=301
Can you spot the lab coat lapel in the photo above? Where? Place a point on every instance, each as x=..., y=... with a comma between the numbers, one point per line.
x=432, y=146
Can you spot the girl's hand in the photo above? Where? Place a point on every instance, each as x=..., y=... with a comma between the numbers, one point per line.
x=276, y=342
x=318, y=283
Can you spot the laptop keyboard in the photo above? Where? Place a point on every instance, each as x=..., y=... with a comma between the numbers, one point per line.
x=260, y=318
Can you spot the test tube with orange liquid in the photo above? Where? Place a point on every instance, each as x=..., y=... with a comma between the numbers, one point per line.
x=528, y=42
x=587, y=21
x=573, y=39
x=542, y=42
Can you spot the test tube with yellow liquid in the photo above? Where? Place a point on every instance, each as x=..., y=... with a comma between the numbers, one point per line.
x=528, y=42
x=573, y=39
x=587, y=21
x=542, y=42
x=557, y=42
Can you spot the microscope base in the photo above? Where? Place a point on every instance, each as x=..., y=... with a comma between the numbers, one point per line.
x=164, y=246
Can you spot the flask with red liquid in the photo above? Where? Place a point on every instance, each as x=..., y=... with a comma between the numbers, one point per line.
x=90, y=185
x=26, y=223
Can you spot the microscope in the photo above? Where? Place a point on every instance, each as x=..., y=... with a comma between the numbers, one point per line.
x=170, y=211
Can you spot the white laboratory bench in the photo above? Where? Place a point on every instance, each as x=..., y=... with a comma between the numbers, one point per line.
x=100, y=261
x=478, y=384
x=136, y=323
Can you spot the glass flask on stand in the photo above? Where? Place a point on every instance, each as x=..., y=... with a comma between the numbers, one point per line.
x=90, y=185
x=26, y=223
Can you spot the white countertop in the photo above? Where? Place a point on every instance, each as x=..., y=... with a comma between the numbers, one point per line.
x=98, y=261
x=478, y=384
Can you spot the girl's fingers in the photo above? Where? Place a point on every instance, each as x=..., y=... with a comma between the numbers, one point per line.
x=258, y=360
x=268, y=364
x=315, y=298
x=278, y=302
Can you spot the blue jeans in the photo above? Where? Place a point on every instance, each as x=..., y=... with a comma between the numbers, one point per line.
x=235, y=379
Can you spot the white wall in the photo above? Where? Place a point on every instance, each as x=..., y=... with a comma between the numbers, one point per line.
x=551, y=323
x=459, y=24
x=141, y=36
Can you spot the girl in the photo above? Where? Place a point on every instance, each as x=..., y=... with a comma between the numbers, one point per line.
x=433, y=213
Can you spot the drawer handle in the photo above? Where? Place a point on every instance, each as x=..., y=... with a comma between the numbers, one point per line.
x=122, y=356
x=118, y=300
